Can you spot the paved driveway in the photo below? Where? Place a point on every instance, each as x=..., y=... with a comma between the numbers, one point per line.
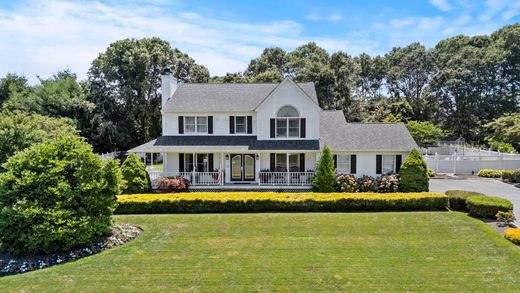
x=486, y=186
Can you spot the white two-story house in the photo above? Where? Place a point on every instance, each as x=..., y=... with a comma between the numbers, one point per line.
x=264, y=135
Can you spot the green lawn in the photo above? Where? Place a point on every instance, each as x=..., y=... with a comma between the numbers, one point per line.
x=429, y=251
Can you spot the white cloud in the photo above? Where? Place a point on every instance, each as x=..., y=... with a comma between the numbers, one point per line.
x=47, y=36
x=443, y=5
x=333, y=17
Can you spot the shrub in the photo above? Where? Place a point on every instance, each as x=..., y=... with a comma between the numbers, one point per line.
x=173, y=184
x=413, y=173
x=347, y=183
x=235, y=202
x=431, y=173
x=502, y=147
x=505, y=218
x=135, y=175
x=513, y=235
x=366, y=184
x=487, y=206
x=507, y=175
x=516, y=176
x=324, y=179
x=424, y=133
x=388, y=183
x=457, y=199
x=490, y=173
x=56, y=195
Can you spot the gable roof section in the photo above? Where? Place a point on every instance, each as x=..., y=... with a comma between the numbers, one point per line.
x=288, y=80
x=342, y=136
x=225, y=97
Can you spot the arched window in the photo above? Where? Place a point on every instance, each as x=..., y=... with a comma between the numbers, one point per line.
x=287, y=111
x=287, y=122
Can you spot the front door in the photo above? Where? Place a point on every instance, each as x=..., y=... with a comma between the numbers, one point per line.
x=243, y=167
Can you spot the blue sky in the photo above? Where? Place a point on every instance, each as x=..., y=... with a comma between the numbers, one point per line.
x=43, y=36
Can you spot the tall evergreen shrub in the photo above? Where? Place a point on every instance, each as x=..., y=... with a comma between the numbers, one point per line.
x=135, y=175
x=325, y=174
x=414, y=173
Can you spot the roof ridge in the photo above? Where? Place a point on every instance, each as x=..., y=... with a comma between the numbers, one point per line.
x=239, y=83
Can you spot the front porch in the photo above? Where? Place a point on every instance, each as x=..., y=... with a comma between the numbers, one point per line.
x=234, y=170
x=216, y=180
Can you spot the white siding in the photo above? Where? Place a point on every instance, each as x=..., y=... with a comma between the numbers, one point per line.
x=220, y=122
x=288, y=94
x=366, y=161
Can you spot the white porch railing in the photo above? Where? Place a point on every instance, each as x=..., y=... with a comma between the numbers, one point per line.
x=286, y=178
x=195, y=178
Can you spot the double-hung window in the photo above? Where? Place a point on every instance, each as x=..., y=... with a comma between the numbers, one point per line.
x=343, y=164
x=201, y=163
x=240, y=124
x=196, y=124
x=287, y=122
x=388, y=163
x=282, y=161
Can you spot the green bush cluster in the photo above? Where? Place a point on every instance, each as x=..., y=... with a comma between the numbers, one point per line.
x=507, y=175
x=413, y=174
x=135, y=175
x=431, y=173
x=56, y=195
x=457, y=199
x=279, y=202
x=490, y=173
x=487, y=206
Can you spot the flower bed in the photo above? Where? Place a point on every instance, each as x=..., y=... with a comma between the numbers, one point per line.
x=120, y=234
x=230, y=202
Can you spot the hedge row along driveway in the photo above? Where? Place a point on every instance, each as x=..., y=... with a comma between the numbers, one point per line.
x=232, y=202
x=293, y=252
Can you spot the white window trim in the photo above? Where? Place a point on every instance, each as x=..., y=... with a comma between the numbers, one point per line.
x=287, y=127
x=196, y=125
x=349, y=164
x=245, y=125
x=383, y=163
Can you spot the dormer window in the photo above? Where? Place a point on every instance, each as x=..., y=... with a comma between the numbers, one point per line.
x=287, y=122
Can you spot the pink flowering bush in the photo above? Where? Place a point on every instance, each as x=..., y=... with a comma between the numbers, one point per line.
x=366, y=184
x=347, y=183
x=388, y=183
x=173, y=184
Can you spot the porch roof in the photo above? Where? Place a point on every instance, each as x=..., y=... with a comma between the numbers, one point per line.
x=222, y=143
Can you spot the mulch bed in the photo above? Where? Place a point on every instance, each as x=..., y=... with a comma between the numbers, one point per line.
x=120, y=234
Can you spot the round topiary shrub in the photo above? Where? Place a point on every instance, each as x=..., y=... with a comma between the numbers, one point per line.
x=457, y=199
x=487, y=206
x=56, y=195
x=414, y=174
x=513, y=235
x=135, y=175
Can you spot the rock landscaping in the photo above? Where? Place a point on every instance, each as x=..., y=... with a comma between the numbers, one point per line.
x=120, y=234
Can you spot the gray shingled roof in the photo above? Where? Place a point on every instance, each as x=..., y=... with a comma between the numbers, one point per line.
x=342, y=136
x=224, y=97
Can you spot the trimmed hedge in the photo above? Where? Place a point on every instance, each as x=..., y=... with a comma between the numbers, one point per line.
x=490, y=173
x=487, y=206
x=237, y=202
x=513, y=235
x=457, y=199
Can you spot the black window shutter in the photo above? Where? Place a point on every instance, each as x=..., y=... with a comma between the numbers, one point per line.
x=353, y=159
x=249, y=124
x=379, y=164
x=181, y=124
x=335, y=157
x=181, y=162
x=210, y=162
x=231, y=124
x=273, y=127
x=210, y=124
x=302, y=127
x=302, y=162
x=398, y=162
x=272, y=162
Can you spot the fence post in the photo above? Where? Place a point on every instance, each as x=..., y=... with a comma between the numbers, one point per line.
x=436, y=162
x=454, y=163
x=500, y=158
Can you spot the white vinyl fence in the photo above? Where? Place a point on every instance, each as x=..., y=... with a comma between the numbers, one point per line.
x=471, y=164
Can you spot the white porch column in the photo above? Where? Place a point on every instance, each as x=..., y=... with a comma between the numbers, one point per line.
x=258, y=166
x=222, y=168
x=165, y=164
x=287, y=166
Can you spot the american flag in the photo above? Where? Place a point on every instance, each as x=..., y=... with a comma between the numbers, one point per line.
x=219, y=176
